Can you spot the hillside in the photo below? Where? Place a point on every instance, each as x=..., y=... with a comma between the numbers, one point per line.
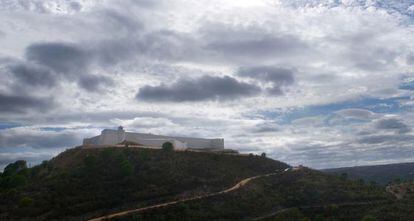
x=293, y=195
x=382, y=174
x=83, y=183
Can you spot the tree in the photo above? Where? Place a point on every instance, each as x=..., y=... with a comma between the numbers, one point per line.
x=168, y=146
x=13, y=181
x=14, y=168
x=344, y=176
x=263, y=155
x=126, y=168
x=25, y=201
x=397, y=180
x=90, y=161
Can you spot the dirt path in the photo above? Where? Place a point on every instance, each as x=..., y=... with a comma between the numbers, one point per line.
x=235, y=187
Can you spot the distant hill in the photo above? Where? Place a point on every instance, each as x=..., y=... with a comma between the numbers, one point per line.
x=80, y=184
x=382, y=174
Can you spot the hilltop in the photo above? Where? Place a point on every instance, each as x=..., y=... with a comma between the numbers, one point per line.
x=82, y=183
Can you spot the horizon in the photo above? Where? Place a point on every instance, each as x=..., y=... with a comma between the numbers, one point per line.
x=319, y=83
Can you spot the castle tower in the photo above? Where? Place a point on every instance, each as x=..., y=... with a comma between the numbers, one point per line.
x=120, y=134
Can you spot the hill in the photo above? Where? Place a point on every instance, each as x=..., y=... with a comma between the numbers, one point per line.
x=303, y=194
x=82, y=183
x=382, y=174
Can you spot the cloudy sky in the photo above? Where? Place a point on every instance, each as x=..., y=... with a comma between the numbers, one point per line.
x=324, y=83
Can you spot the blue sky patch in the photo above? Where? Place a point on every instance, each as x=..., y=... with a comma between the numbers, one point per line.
x=8, y=125
x=407, y=86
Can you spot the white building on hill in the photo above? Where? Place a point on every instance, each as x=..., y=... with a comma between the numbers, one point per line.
x=113, y=137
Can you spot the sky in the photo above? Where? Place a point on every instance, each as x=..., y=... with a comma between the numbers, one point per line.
x=323, y=83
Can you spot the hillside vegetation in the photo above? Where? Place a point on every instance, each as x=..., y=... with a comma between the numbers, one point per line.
x=81, y=184
x=84, y=183
x=298, y=194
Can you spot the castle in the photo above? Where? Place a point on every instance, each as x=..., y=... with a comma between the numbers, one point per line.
x=113, y=137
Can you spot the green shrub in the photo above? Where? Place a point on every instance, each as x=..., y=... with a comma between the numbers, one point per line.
x=90, y=161
x=25, y=201
x=126, y=168
x=344, y=176
x=168, y=146
x=15, y=181
x=14, y=168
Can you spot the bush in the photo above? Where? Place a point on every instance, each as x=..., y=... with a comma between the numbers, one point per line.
x=90, y=161
x=344, y=176
x=13, y=181
x=14, y=168
x=126, y=168
x=25, y=201
x=168, y=146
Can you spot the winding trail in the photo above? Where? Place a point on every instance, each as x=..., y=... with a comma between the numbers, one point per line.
x=235, y=187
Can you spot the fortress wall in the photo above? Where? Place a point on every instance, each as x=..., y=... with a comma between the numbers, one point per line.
x=112, y=137
x=108, y=137
x=91, y=141
x=145, y=141
x=154, y=142
x=196, y=142
x=217, y=143
x=191, y=142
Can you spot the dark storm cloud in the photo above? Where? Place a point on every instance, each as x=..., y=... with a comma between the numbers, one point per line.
x=266, y=128
x=393, y=124
x=162, y=45
x=33, y=75
x=63, y=58
x=38, y=139
x=51, y=63
x=249, y=41
x=119, y=21
x=76, y=6
x=256, y=47
x=281, y=76
x=391, y=139
x=210, y=44
x=21, y=103
x=201, y=89
x=277, y=77
x=94, y=82
x=148, y=3
x=410, y=59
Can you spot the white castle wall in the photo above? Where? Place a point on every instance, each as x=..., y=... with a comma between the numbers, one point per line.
x=112, y=137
